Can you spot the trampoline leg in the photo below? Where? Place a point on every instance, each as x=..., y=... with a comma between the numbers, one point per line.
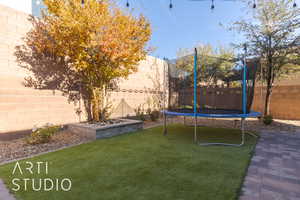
x=165, y=124
x=195, y=130
x=243, y=131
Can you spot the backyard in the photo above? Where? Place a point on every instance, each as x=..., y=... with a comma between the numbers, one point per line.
x=144, y=165
x=145, y=100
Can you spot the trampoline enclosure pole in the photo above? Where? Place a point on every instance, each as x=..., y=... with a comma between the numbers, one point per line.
x=244, y=96
x=245, y=89
x=244, y=82
x=164, y=98
x=195, y=96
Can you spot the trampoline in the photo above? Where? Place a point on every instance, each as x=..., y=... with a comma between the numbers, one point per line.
x=199, y=85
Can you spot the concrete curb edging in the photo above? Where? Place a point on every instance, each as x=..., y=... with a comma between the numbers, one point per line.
x=95, y=131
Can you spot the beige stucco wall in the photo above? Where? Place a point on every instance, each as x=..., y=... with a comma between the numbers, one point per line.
x=142, y=89
x=284, y=104
x=21, y=5
x=21, y=108
x=285, y=98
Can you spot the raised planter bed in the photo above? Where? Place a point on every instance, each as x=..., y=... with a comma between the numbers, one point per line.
x=105, y=130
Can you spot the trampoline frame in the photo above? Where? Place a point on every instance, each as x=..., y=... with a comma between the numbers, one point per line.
x=196, y=114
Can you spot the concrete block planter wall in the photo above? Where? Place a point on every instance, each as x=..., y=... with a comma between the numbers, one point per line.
x=98, y=131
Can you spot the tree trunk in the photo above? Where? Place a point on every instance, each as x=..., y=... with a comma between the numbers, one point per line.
x=268, y=100
x=87, y=105
x=97, y=107
x=269, y=79
x=87, y=100
x=102, y=94
x=95, y=104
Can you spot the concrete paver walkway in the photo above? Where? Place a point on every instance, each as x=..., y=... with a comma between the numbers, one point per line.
x=4, y=193
x=274, y=172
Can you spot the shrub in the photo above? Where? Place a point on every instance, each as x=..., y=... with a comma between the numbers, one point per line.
x=140, y=113
x=42, y=135
x=142, y=116
x=268, y=119
x=149, y=111
x=154, y=115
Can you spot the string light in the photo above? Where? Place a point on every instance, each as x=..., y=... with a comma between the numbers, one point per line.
x=212, y=5
x=170, y=5
x=254, y=4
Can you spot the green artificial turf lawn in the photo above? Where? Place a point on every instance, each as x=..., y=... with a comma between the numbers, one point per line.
x=146, y=165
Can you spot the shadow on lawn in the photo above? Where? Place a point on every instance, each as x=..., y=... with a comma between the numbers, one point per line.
x=253, y=125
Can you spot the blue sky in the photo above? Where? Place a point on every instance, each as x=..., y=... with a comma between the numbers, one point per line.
x=189, y=23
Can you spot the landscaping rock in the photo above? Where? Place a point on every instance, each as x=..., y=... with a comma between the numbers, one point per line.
x=17, y=149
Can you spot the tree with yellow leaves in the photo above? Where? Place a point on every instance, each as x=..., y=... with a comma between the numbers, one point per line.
x=83, y=48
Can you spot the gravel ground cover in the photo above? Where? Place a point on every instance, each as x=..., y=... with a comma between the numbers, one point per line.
x=18, y=148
